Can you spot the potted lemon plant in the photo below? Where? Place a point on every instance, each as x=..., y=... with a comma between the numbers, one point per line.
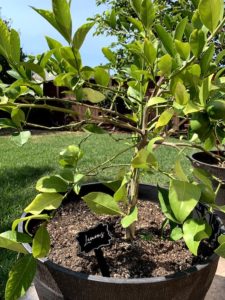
x=177, y=62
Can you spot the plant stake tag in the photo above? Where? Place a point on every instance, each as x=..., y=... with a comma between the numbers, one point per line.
x=94, y=239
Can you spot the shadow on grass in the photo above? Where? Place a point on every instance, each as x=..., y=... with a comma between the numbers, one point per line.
x=17, y=189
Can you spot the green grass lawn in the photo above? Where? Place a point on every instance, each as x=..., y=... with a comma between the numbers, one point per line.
x=21, y=167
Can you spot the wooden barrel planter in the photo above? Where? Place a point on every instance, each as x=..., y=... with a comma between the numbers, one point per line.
x=54, y=282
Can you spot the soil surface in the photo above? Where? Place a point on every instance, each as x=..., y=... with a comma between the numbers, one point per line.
x=149, y=255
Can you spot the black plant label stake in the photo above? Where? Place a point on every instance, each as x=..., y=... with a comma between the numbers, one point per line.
x=94, y=239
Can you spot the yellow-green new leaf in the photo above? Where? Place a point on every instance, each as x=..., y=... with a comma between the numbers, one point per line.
x=180, y=29
x=102, y=204
x=4, y=39
x=144, y=160
x=101, y=76
x=109, y=55
x=211, y=13
x=45, y=201
x=183, y=49
x=181, y=95
x=150, y=52
x=130, y=219
x=156, y=100
x=165, y=118
x=51, y=184
x=197, y=42
x=165, y=64
x=20, y=277
x=92, y=95
x=13, y=240
x=38, y=217
x=41, y=243
x=166, y=40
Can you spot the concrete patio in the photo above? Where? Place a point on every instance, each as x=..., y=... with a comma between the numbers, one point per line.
x=216, y=291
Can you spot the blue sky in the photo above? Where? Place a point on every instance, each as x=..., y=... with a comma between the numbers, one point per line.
x=33, y=28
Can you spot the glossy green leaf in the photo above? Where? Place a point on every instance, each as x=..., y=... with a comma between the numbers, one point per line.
x=6, y=123
x=45, y=201
x=28, y=218
x=195, y=3
x=109, y=55
x=183, y=197
x=211, y=13
x=130, y=219
x=136, y=23
x=92, y=95
x=69, y=156
x=181, y=95
x=156, y=100
x=179, y=32
x=93, y=128
x=163, y=196
x=165, y=118
x=54, y=45
x=48, y=16
x=150, y=52
x=165, y=64
x=35, y=68
x=17, y=116
x=147, y=14
x=196, y=21
x=202, y=175
x=80, y=35
x=21, y=138
x=144, y=160
x=101, y=203
x=101, y=76
x=51, y=184
x=20, y=277
x=150, y=146
x=41, y=243
x=197, y=42
x=72, y=57
x=136, y=5
x=176, y=234
x=220, y=250
x=4, y=40
x=61, y=10
x=15, y=45
x=179, y=172
x=192, y=228
x=166, y=39
x=13, y=240
x=183, y=49
x=206, y=59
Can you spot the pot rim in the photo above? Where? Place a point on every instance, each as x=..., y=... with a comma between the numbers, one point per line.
x=97, y=278
x=198, y=160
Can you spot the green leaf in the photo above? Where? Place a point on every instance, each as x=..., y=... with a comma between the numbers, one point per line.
x=147, y=14
x=72, y=57
x=150, y=52
x=150, y=146
x=101, y=203
x=144, y=160
x=34, y=68
x=92, y=95
x=191, y=228
x=109, y=55
x=183, y=49
x=101, y=76
x=165, y=64
x=220, y=250
x=20, y=277
x=180, y=174
x=211, y=13
x=176, y=234
x=36, y=217
x=80, y=35
x=61, y=10
x=15, y=45
x=197, y=42
x=165, y=117
x=163, y=196
x=93, y=128
x=181, y=95
x=54, y=45
x=196, y=21
x=183, y=197
x=130, y=219
x=4, y=40
x=13, y=240
x=21, y=138
x=6, y=123
x=41, y=243
x=137, y=24
x=70, y=156
x=202, y=175
x=166, y=39
x=44, y=201
x=51, y=184
x=180, y=29
x=17, y=116
x=206, y=59
x=136, y=5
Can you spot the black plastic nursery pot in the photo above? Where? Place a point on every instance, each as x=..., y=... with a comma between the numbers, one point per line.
x=209, y=163
x=54, y=282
